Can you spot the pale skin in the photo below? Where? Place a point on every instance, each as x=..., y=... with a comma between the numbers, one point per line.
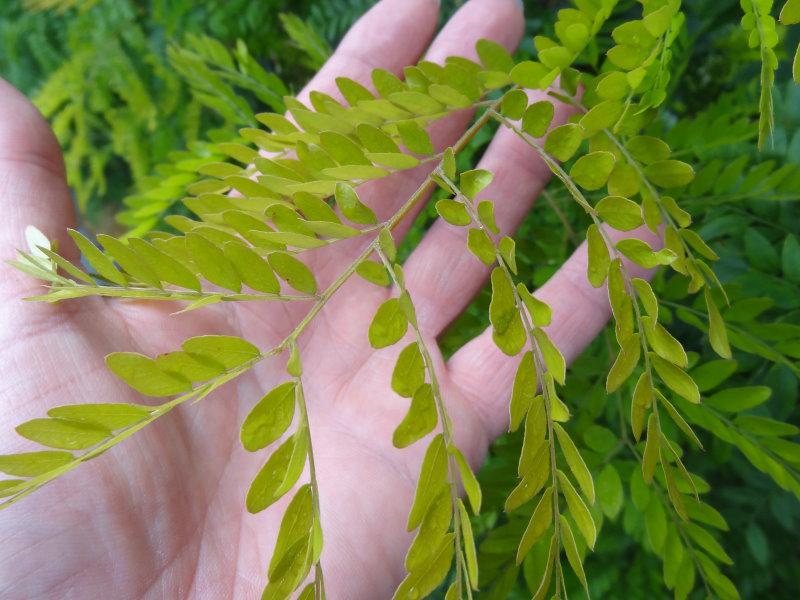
x=162, y=515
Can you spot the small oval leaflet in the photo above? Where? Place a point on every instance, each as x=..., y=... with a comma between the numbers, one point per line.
x=433, y=474
x=409, y=371
x=279, y=470
x=480, y=244
x=591, y=171
x=228, y=350
x=269, y=418
x=539, y=522
x=578, y=510
x=472, y=182
x=537, y=118
x=211, y=262
x=374, y=272
x=194, y=367
x=32, y=464
x=563, y=141
x=420, y=420
x=144, y=375
x=575, y=462
x=388, y=325
x=63, y=434
x=431, y=532
x=351, y=206
x=599, y=257
x=109, y=416
x=620, y=213
x=293, y=271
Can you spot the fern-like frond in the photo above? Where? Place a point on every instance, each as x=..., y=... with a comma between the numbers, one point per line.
x=58, y=5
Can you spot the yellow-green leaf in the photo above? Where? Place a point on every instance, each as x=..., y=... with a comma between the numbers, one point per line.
x=143, y=374
x=211, y=262
x=620, y=213
x=651, y=449
x=493, y=56
x=129, y=260
x=453, y=212
x=293, y=271
x=717, y=331
x=592, y=170
x=229, y=351
x=669, y=173
x=576, y=463
x=540, y=521
x=388, y=325
x=351, y=206
x=480, y=244
x=571, y=550
x=432, y=530
x=253, y=270
x=472, y=182
x=107, y=416
x=420, y=420
x=642, y=400
x=102, y=264
x=486, y=216
x=468, y=479
x=579, y=511
x=265, y=488
x=433, y=475
x=664, y=344
x=269, y=418
x=643, y=255
x=429, y=576
x=537, y=118
x=513, y=104
x=32, y=464
x=165, y=267
x=468, y=541
x=599, y=258
x=553, y=359
x=63, y=434
x=409, y=371
x=676, y=379
x=523, y=390
x=540, y=312
x=563, y=141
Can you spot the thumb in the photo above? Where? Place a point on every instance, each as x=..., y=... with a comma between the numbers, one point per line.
x=33, y=186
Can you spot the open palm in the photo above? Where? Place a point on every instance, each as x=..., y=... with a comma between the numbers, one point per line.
x=163, y=515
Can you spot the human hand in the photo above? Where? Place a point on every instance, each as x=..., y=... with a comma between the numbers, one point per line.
x=163, y=515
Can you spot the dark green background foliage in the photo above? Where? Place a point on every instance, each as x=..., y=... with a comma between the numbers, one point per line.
x=141, y=65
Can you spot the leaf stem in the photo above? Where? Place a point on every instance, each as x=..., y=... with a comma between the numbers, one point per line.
x=31, y=485
x=537, y=362
x=584, y=203
x=319, y=580
x=444, y=418
x=169, y=295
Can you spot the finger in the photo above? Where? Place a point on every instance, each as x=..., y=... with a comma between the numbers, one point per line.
x=580, y=311
x=33, y=188
x=499, y=20
x=392, y=35
x=440, y=273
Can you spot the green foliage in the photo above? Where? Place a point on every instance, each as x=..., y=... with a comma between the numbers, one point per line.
x=601, y=470
x=122, y=94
